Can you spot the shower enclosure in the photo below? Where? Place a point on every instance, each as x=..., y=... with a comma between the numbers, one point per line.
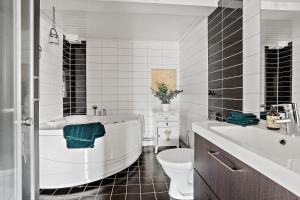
x=18, y=78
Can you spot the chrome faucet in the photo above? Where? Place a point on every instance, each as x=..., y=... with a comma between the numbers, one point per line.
x=291, y=118
x=102, y=112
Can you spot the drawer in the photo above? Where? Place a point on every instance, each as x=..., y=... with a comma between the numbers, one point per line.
x=167, y=124
x=212, y=163
x=201, y=189
x=168, y=136
x=167, y=117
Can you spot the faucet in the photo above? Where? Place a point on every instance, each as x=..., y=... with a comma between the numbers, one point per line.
x=291, y=118
x=95, y=109
x=102, y=112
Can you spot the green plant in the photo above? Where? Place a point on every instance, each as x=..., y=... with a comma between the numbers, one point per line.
x=164, y=94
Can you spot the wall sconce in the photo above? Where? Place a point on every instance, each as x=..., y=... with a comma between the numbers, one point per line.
x=53, y=36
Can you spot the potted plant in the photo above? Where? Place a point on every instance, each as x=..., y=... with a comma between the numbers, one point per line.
x=165, y=95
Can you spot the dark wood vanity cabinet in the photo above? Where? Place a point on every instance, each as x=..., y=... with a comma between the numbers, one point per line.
x=202, y=191
x=219, y=175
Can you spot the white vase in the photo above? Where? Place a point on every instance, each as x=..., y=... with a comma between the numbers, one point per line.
x=165, y=107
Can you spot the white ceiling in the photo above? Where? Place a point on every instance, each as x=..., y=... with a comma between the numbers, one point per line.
x=162, y=20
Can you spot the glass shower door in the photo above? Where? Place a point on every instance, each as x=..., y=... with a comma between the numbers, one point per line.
x=10, y=137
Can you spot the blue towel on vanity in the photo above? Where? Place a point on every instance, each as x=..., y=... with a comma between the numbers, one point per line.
x=242, y=119
x=83, y=135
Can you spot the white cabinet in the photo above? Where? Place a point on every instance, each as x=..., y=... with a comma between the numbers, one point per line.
x=167, y=129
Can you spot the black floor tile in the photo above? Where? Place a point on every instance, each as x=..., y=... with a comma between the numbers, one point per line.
x=146, y=180
x=147, y=188
x=160, y=187
x=107, y=181
x=105, y=189
x=71, y=197
x=158, y=179
x=62, y=191
x=133, y=181
x=149, y=196
x=118, y=197
x=88, y=198
x=133, y=197
x=76, y=190
x=94, y=184
x=47, y=192
x=122, y=174
x=102, y=197
x=120, y=181
x=135, y=174
x=91, y=191
x=162, y=196
x=134, y=189
x=119, y=189
x=143, y=180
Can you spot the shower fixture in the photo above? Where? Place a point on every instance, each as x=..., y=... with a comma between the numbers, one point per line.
x=53, y=36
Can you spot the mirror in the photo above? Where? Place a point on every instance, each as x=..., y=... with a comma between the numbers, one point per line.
x=280, y=53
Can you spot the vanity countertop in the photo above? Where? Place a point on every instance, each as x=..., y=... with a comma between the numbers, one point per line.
x=259, y=148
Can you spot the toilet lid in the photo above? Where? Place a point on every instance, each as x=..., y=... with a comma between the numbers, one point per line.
x=179, y=158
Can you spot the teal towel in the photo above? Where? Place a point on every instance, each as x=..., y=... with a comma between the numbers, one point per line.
x=263, y=115
x=242, y=123
x=241, y=115
x=83, y=135
x=242, y=119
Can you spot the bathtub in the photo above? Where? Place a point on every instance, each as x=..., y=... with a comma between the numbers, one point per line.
x=62, y=167
x=7, y=186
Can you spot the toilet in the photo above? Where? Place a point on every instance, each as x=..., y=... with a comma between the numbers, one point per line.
x=178, y=164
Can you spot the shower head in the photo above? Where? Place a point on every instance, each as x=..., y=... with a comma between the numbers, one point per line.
x=53, y=37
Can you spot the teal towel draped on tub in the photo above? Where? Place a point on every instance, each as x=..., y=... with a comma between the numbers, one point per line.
x=83, y=135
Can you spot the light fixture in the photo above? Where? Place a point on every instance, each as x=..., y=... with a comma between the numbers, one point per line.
x=53, y=36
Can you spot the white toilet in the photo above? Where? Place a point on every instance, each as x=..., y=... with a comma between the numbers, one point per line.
x=178, y=165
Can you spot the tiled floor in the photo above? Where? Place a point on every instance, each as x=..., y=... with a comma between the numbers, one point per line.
x=144, y=180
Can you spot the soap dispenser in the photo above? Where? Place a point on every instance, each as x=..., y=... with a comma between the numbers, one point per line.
x=272, y=116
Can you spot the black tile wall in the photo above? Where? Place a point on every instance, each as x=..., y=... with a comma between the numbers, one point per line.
x=74, y=76
x=278, y=75
x=225, y=59
x=66, y=78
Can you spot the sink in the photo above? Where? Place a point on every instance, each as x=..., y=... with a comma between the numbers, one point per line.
x=282, y=149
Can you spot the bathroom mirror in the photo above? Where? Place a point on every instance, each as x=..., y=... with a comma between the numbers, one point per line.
x=280, y=53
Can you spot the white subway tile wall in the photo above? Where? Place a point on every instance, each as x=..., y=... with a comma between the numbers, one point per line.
x=119, y=75
x=251, y=56
x=51, y=92
x=296, y=71
x=193, y=79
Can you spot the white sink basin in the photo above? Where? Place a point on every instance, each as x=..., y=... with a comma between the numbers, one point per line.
x=259, y=148
x=266, y=143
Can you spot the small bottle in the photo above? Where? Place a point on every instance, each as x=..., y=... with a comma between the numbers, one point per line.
x=272, y=116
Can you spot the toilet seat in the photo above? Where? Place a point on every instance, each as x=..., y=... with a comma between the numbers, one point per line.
x=181, y=158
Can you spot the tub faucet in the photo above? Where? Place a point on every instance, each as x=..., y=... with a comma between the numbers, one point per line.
x=104, y=112
x=291, y=118
x=95, y=109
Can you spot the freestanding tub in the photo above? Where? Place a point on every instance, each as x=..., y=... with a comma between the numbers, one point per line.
x=62, y=167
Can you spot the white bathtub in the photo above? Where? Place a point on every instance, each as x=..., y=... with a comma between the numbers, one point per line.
x=118, y=149
x=7, y=185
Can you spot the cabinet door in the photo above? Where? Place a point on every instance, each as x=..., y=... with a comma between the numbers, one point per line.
x=201, y=190
x=250, y=184
x=168, y=136
x=216, y=167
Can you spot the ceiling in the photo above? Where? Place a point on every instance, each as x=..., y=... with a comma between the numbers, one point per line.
x=128, y=19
